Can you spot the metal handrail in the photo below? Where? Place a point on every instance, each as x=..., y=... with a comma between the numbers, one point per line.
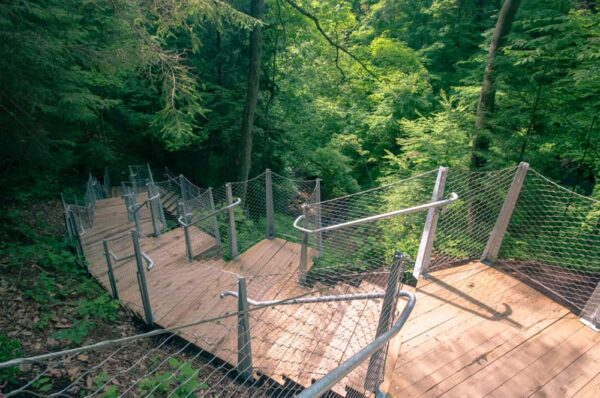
x=229, y=206
x=135, y=208
x=453, y=197
x=324, y=384
x=309, y=300
x=149, y=261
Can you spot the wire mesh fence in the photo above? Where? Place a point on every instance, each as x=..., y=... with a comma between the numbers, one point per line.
x=553, y=241
x=270, y=345
x=464, y=228
x=290, y=346
x=346, y=253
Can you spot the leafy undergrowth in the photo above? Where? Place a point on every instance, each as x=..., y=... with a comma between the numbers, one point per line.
x=50, y=303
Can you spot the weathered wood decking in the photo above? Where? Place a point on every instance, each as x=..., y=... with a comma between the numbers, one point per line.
x=479, y=332
x=475, y=331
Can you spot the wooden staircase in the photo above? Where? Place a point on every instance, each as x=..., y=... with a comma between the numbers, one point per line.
x=290, y=343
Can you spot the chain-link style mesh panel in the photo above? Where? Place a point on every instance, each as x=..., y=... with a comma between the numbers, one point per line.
x=139, y=176
x=348, y=251
x=293, y=344
x=251, y=216
x=189, y=190
x=157, y=365
x=553, y=241
x=464, y=228
x=288, y=197
x=200, y=212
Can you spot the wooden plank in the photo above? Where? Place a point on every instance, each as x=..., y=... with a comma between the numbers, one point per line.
x=451, y=275
x=472, y=361
x=548, y=365
x=464, y=350
x=507, y=365
x=441, y=346
x=574, y=377
x=591, y=389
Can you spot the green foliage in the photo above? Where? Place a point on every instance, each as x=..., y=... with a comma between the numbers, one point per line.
x=77, y=333
x=9, y=349
x=43, y=385
x=109, y=391
x=181, y=380
x=102, y=307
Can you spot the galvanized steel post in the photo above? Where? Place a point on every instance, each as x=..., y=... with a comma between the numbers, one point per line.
x=375, y=370
x=269, y=204
x=78, y=246
x=215, y=221
x=186, y=232
x=132, y=179
x=303, y=251
x=141, y=277
x=150, y=177
x=153, y=209
x=319, y=222
x=106, y=183
x=65, y=214
x=111, y=275
x=244, y=365
x=182, y=186
x=233, y=247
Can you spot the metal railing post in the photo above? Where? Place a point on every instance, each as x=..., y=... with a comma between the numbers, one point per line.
x=319, y=222
x=427, y=238
x=302, y=270
x=494, y=242
x=150, y=177
x=186, y=232
x=106, y=182
x=78, y=245
x=153, y=209
x=269, y=204
x=214, y=217
x=182, y=186
x=374, y=376
x=91, y=188
x=111, y=275
x=590, y=315
x=132, y=179
x=233, y=246
x=244, y=363
x=136, y=217
x=141, y=277
x=65, y=214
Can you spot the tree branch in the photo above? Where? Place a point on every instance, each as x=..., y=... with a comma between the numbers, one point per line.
x=329, y=39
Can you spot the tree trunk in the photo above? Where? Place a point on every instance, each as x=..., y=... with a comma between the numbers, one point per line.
x=256, y=10
x=485, y=104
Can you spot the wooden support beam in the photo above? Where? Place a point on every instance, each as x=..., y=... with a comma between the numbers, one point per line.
x=495, y=240
x=428, y=237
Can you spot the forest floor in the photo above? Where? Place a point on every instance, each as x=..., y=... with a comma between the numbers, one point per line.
x=50, y=303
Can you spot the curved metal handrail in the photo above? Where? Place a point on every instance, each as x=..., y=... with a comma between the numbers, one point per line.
x=184, y=224
x=324, y=384
x=439, y=203
x=149, y=261
x=309, y=300
x=135, y=208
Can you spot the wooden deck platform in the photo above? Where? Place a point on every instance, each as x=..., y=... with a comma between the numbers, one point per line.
x=475, y=331
x=478, y=332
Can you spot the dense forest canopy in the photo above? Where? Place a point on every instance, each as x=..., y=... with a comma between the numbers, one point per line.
x=352, y=91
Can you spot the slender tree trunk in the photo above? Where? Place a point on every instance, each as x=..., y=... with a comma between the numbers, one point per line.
x=485, y=104
x=534, y=109
x=256, y=10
